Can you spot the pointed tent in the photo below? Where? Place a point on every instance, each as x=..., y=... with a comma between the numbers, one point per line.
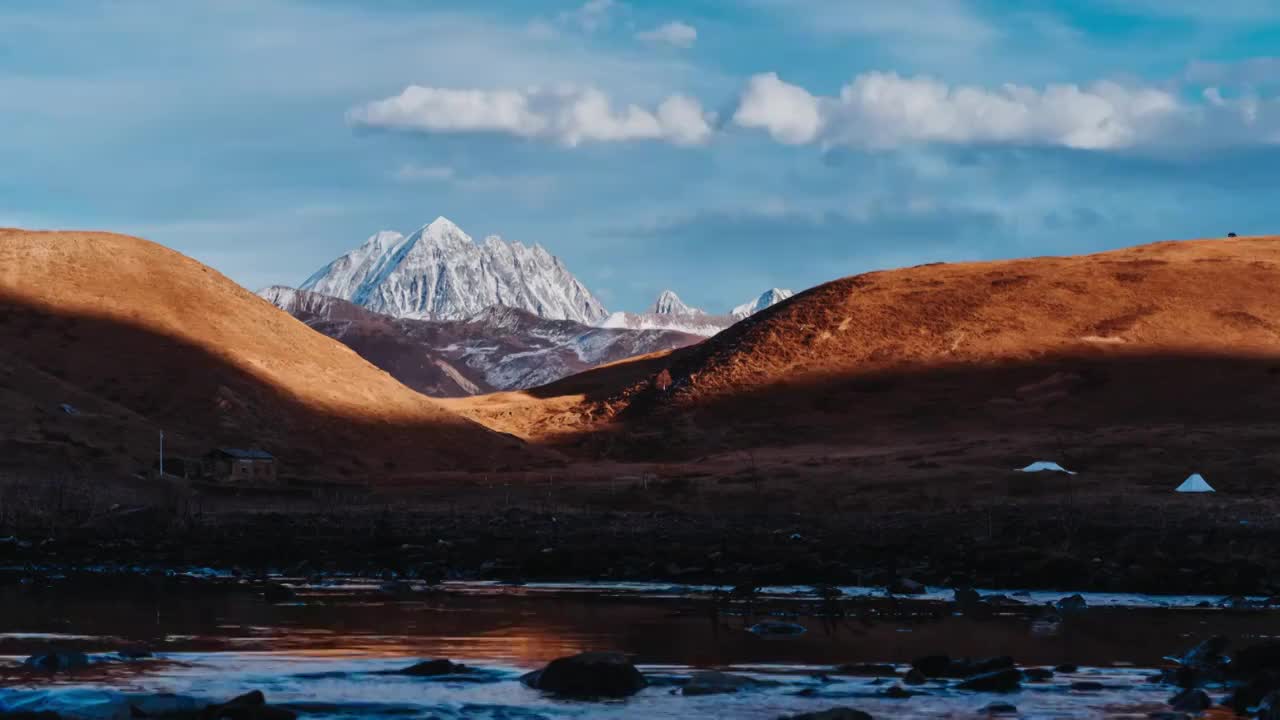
x=1194, y=484
x=1044, y=466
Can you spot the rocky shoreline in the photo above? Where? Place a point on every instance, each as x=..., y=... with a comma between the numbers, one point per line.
x=1051, y=546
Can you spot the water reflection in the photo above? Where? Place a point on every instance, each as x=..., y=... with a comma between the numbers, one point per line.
x=329, y=653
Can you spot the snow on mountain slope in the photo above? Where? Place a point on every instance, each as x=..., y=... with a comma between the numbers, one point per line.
x=499, y=348
x=440, y=273
x=768, y=298
x=668, y=312
x=669, y=303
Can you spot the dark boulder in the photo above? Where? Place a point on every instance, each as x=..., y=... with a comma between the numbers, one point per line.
x=777, y=629
x=1037, y=674
x=434, y=668
x=717, y=683
x=1006, y=680
x=867, y=670
x=1087, y=686
x=1071, y=604
x=1206, y=655
x=999, y=708
x=1191, y=700
x=897, y=692
x=915, y=677
x=589, y=674
x=906, y=586
x=250, y=706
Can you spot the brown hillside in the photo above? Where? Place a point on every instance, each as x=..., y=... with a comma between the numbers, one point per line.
x=1170, y=335
x=140, y=338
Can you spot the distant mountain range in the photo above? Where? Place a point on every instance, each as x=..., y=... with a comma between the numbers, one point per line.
x=440, y=273
x=499, y=348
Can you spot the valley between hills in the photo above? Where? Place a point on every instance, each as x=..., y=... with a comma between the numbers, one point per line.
x=866, y=430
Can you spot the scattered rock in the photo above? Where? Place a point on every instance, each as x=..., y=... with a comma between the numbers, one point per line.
x=717, y=683
x=897, y=692
x=1208, y=654
x=906, y=586
x=999, y=708
x=250, y=706
x=1037, y=674
x=967, y=597
x=434, y=668
x=867, y=670
x=589, y=674
x=777, y=629
x=1191, y=700
x=1072, y=603
x=915, y=677
x=57, y=662
x=1006, y=680
x=841, y=713
x=1087, y=686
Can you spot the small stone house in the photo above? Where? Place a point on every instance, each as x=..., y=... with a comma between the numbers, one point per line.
x=240, y=467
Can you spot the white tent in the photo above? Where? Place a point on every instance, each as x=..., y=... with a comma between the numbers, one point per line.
x=1195, y=483
x=1045, y=466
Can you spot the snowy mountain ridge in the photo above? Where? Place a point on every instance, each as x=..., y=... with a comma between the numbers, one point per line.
x=669, y=312
x=440, y=273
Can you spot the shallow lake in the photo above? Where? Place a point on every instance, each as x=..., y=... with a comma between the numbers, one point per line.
x=327, y=651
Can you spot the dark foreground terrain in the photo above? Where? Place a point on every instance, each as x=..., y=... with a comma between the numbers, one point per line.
x=671, y=532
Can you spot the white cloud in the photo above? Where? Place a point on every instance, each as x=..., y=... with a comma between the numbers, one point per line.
x=787, y=112
x=675, y=33
x=885, y=110
x=570, y=115
x=593, y=15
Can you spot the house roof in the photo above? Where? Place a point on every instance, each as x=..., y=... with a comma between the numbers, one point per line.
x=245, y=454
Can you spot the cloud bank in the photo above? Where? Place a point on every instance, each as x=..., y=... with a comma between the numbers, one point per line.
x=569, y=115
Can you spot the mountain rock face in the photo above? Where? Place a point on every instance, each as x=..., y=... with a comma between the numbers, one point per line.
x=440, y=273
x=499, y=348
x=768, y=298
x=669, y=303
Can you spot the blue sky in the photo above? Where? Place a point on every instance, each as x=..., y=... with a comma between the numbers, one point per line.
x=715, y=148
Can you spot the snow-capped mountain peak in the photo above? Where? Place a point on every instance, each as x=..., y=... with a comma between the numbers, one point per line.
x=668, y=303
x=768, y=298
x=440, y=273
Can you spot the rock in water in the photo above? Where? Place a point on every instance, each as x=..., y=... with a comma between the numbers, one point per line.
x=774, y=629
x=1193, y=701
x=589, y=674
x=1072, y=603
x=841, y=713
x=57, y=662
x=717, y=683
x=1006, y=680
x=434, y=668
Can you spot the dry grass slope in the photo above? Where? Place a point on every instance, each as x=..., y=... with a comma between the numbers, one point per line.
x=144, y=337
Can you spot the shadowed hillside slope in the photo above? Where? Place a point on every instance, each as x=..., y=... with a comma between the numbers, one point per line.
x=137, y=338
x=1175, y=332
